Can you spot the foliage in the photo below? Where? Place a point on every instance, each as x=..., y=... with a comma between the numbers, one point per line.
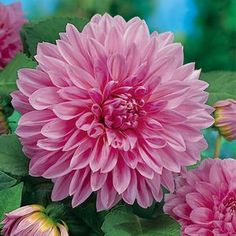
x=121, y=221
x=6, y=181
x=9, y=75
x=10, y=199
x=46, y=31
x=88, y=214
x=213, y=46
x=13, y=121
x=222, y=85
x=87, y=8
x=12, y=159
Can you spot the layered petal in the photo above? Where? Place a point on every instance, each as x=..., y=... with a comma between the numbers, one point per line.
x=112, y=110
x=12, y=19
x=204, y=200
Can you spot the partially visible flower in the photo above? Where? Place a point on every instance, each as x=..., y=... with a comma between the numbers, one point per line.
x=32, y=220
x=112, y=110
x=3, y=123
x=11, y=21
x=225, y=118
x=205, y=199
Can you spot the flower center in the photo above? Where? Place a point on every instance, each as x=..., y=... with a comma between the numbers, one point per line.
x=122, y=111
x=230, y=202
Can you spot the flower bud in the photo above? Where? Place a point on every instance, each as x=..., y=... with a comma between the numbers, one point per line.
x=225, y=118
x=32, y=220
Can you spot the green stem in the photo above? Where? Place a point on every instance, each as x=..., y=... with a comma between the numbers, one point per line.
x=217, y=146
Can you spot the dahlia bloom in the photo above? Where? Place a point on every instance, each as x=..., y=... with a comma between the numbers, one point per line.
x=31, y=220
x=205, y=199
x=112, y=110
x=11, y=21
x=225, y=118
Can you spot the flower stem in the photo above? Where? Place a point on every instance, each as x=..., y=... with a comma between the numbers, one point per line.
x=217, y=146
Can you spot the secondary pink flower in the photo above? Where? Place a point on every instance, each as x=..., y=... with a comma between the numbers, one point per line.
x=11, y=21
x=205, y=199
x=112, y=110
x=31, y=220
x=225, y=118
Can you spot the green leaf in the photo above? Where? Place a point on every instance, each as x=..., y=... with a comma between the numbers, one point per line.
x=13, y=120
x=12, y=159
x=10, y=199
x=151, y=212
x=37, y=192
x=161, y=226
x=88, y=214
x=46, y=31
x=9, y=75
x=222, y=85
x=122, y=221
x=5, y=106
x=77, y=227
x=6, y=181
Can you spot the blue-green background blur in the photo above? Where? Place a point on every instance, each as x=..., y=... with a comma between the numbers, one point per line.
x=206, y=28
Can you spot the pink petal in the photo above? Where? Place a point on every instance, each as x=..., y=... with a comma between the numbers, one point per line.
x=44, y=98
x=68, y=110
x=116, y=67
x=130, y=193
x=167, y=180
x=144, y=197
x=182, y=211
x=97, y=180
x=56, y=129
x=121, y=177
x=202, y=215
x=195, y=200
x=61, y=187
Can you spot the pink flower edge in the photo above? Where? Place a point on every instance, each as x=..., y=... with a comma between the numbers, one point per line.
x=204, y=202
x=11, y=21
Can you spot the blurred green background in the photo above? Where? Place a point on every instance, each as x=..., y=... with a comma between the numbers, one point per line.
x=206, y=28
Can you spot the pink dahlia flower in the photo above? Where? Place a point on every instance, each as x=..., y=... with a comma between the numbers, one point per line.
x=205, y=199
x=31, y=220
x=112, y=110
x=11, y=21
x=225, y=118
